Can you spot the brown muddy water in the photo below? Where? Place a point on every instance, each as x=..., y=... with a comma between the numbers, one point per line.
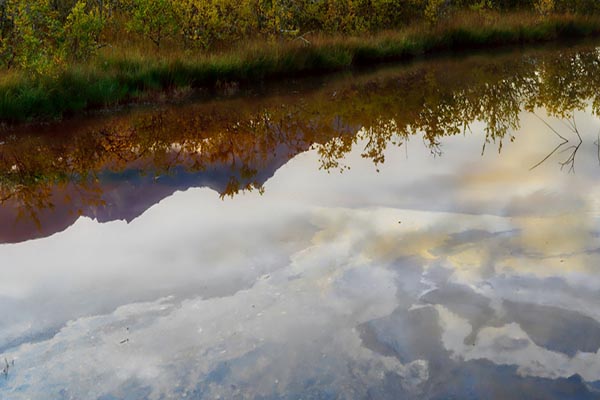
x=428, y=231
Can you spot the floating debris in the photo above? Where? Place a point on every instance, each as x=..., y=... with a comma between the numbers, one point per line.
x=7, y=367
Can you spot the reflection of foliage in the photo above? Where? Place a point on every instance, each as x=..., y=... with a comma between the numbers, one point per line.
x=244, y=138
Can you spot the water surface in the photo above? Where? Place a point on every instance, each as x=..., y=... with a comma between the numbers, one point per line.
x=428, y=231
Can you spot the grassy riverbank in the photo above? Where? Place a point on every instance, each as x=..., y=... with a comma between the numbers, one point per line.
x=121, y=75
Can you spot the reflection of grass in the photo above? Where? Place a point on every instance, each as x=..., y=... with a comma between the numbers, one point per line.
x=121, y=75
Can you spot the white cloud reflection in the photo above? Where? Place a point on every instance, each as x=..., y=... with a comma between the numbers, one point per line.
x=310, y=288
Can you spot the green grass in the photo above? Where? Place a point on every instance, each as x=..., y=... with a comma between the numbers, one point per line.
x=117, y=77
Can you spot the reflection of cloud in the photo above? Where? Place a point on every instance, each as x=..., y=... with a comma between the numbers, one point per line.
x=93, y=268
x=510, y=345
x=552, y=224
x=545, y=204
x=259, y=341
x=295, y=328
x=294, y=294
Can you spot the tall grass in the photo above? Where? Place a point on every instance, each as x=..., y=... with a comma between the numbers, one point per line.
x=125, y=74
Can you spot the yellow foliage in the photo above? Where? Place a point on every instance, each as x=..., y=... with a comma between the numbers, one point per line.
x=433, y=10
x=82, y=30
x=208, y=21
x=32, y=41
x=37, y=34
x=544, y=7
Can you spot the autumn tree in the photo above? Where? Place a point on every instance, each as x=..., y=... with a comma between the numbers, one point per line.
x=30, y=35
x=153, y=19
x=82, y=30
x=206, y=22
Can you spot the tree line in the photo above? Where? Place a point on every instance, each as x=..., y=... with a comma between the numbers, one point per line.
x=39, y=34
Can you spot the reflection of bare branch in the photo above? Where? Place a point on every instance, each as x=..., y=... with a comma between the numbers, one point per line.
x=570, y=161
x=549, y=155
x=575, y=127
x=551, y=128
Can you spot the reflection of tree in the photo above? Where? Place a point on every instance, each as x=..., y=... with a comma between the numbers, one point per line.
x=242, y=138
x=565, y=146
x=572, y=149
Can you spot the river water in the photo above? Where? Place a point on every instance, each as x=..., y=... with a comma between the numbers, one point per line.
x=427, y=231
